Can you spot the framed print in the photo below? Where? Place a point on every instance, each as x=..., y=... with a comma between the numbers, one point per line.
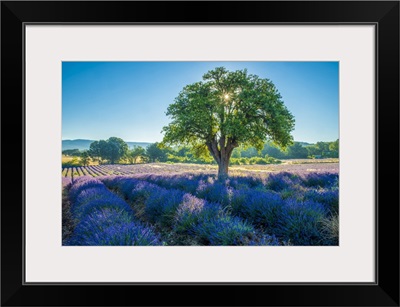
x=244, y=147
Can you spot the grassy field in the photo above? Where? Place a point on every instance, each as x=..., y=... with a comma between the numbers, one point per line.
x=71, y=159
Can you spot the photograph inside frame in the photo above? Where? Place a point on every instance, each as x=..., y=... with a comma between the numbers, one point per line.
x=215, y=133
x=200, y=153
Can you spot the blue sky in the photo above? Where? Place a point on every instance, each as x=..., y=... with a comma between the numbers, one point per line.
x=129, y=99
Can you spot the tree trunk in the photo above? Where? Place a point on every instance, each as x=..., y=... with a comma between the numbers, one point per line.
x=221, y=155
x=223, y=167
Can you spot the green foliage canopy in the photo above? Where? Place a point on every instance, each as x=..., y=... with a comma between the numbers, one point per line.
x=135, y=153
x=155, y=153
x=225, y=110
x=297, y=151
x=117, y=148
x=112, y=150
x=85, y=158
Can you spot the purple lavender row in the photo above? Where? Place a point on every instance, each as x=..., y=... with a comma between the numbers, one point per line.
x=99, y=170
x=75, y=173
x=64, y=172
x=104, y=218
x=274, y=181
x=104, y=169
x=194, y=221
x=249, y=171
x=66, y=182
x=315, y=187
x=84, y=171
x=95, y=170
x=90, y=172
x=80, y=172
x=292, y=207
x=155, y=168
x=119, y=169
x=69, y=173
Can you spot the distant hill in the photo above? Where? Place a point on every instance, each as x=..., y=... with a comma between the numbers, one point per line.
x=305, y=144
x=85, y=144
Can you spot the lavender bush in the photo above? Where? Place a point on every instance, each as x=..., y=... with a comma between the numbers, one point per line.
x=112, y=227
x=104, y=218
x=225, y=230
x=300, y=222
x=193, y=211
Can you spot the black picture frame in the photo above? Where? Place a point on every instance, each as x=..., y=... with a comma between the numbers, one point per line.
x=383, y=14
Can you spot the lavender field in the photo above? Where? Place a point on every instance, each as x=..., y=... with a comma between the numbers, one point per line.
x=185, y=205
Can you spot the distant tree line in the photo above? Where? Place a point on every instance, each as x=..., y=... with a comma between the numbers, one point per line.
x=298, y=150
x=115, y=150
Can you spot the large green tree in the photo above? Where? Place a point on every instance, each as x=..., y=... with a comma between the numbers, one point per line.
x=117, y=148
x=111, y=150
x=98, y=150
x=334, y=146
x=155, y=153
x=225, y=110
x=297, y=151
x=85, y=158
x=135, y=153
x=273, y=151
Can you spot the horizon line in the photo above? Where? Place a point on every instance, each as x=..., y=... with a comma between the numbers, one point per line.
x=160, y=141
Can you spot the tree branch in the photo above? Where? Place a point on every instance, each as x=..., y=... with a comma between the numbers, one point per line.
x=213, y=148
